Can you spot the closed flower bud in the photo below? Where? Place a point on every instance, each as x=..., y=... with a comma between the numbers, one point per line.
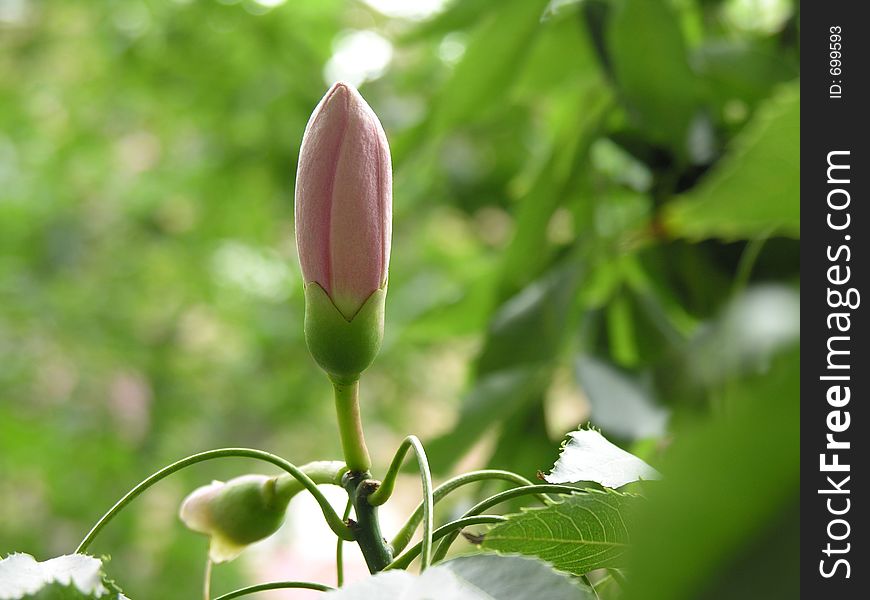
x=236, y=513
x=249, y=508
x=343, y=231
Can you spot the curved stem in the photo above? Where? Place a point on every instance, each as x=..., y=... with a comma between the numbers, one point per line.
x=403, y=537
x=585, y=579
x=746, y=263
x=321, y=472
x=383, y=493
x=478, y=508
x=339, y=548
x=385, y=489
x=403, y=561
x=275, y=585
x=334, y=521
x=353, y=442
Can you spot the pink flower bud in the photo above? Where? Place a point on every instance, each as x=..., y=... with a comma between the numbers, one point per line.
x=344, y=200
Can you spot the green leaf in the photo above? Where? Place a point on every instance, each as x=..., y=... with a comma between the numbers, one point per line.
x=529, y=425
x=494, y=397
x=588, y=456
x=621, y=404
x=652, y=71
x=741, y=70
x=492, y=59
x=560, y=36
x=529, y=328
x=455, y=16
x=724, y=524
x=754, y=190
x=524, y=335
x=584, y=532
x=69, y=577
x=751, y=330
x=553, y=186
x=476, y=577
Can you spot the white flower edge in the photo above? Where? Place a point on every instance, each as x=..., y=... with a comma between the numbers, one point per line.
x=22, y=575
x=589, y=456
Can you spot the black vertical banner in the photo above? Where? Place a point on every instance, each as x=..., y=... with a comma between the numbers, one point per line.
x=834, y=264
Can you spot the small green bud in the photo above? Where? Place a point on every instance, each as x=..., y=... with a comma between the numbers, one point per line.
x=237, y=513
x=249, y=508
x=343, y=348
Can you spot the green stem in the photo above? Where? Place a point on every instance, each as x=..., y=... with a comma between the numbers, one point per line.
x=275, y=585
x=747, y=263
x=206, y=584
x=385, y=490
x=404, y=560
x=478, y=508
x=339, y=548
x=382, y=494
x=334, y=521
x=585, y=579
x=321, y=472
x=367, y=528
x=403, y=537
x=602, y=584
x=353, y=442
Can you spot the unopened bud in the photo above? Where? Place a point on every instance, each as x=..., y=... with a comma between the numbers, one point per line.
x=343, y=231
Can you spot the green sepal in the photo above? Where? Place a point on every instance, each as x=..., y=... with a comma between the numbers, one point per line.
x=343, y=348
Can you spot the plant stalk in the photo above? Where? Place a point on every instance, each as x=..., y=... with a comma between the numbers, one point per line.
x=367, y=527
x=353, y=442
x=275, y=585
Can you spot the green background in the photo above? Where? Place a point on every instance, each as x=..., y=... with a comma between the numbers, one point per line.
x=596, y=218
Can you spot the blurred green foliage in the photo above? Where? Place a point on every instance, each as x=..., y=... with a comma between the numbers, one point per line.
x=610, y=181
